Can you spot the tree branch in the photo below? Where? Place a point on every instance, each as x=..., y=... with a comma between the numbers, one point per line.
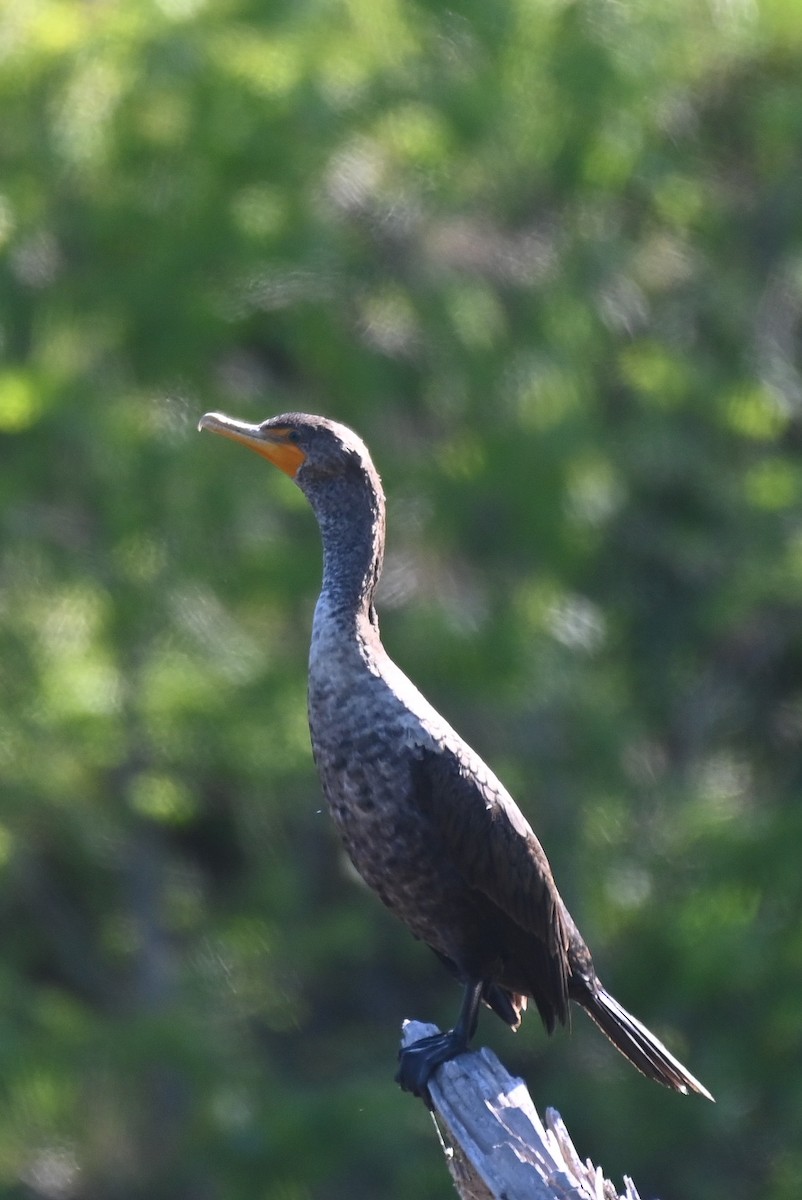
x=495, y=1144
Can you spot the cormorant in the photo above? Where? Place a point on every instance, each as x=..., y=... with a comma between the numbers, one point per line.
x=426, y=824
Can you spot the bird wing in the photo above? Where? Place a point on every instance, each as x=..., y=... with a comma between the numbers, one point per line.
x=489, y=841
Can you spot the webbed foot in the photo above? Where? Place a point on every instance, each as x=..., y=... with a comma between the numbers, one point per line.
x=417, y=1063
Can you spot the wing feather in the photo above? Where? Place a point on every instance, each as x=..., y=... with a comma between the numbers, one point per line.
x=489, y=841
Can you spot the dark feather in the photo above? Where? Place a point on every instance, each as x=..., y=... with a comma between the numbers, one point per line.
x=483, y=835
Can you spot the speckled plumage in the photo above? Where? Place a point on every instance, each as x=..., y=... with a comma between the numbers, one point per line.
x=426, y=823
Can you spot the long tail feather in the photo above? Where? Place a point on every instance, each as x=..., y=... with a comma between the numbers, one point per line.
x=636, y=1043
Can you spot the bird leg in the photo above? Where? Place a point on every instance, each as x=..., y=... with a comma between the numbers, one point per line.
x=417, y=1062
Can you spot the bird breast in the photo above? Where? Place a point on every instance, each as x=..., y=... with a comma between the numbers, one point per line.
x=369, y=724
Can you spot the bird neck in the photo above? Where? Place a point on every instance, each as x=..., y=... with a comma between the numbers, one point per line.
x=352, y=528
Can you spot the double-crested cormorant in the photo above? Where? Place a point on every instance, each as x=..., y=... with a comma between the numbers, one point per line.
x=427, y=825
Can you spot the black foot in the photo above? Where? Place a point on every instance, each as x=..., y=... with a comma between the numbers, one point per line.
x=417, y=1062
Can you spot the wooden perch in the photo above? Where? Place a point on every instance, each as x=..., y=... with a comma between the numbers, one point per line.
x=496, y=1146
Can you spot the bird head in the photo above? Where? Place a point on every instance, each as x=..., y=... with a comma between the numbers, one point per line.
x=309, y=449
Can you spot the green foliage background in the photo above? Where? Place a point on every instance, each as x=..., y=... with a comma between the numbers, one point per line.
x=546, y=256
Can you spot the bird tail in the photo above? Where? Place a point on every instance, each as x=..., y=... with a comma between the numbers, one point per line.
x=636, y=1043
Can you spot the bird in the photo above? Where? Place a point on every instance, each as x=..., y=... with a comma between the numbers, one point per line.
x=426, y=823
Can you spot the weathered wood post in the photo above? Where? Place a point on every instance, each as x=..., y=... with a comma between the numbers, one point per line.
x=495, y=1144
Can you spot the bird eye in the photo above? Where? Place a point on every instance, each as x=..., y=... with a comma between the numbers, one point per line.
x=293, y=436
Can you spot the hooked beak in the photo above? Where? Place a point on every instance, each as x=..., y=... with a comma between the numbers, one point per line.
x=272, y=441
